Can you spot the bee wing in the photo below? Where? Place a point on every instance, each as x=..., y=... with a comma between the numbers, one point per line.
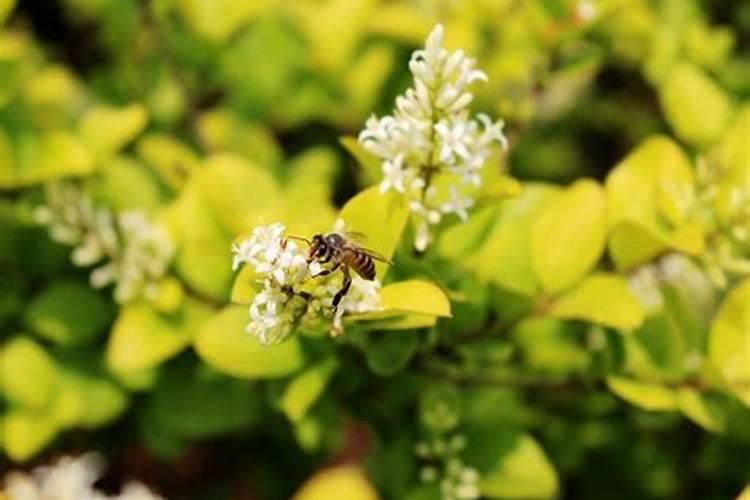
x=375, y=255
x=356, y=236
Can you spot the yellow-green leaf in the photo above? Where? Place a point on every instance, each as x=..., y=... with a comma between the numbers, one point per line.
x=173, y=161
x=380, y=217
x=505, y=257
x=568, y=237
x=26, y=433
x=240, y=193
x=142, y=337
x=371, y=169
x=306, y=388
x=223, y=343
x=415, y=296
x=513, y=466
x=729, y=341
x=601, y=298
x=696, y=107
x=6, y=6
x=651, y=396
x=29, y=374
x=699, y=409
x=106, y=129
x=344, y=481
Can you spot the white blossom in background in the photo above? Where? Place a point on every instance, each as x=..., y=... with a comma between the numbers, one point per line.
x=289, y=293
x=431, y=132
x=131, y=252
x=444, y=466
x=69, y=479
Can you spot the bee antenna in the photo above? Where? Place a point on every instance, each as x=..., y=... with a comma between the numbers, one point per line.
x=301, y=238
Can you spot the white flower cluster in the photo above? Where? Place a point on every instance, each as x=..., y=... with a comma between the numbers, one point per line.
x=431, y=132
x=133, y=252
x=69, y=479
x=457, y=480
x=291, y=293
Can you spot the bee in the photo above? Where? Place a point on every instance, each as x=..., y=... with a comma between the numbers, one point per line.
x=341, y=252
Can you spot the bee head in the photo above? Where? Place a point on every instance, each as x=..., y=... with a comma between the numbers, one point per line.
x=317, y=247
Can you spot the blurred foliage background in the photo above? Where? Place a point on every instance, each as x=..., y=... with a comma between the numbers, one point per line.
x=600, y=339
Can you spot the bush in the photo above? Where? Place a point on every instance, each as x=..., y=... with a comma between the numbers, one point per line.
x=546, y=231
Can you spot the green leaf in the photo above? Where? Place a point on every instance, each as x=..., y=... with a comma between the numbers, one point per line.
x=26, y=433
x=729, y=341
x=387, y=352
x=505, y=257
x=550, y=345
x=29, y=374
x=651, y=396
x=193, y=402
x=142, y=337
x=304, y=389
x=511, y=465
x=223, y=344
x=106, y=129
x=68, y=313
x=568, y=237
x=695, y=106
x=601, y=298
x=380, y=217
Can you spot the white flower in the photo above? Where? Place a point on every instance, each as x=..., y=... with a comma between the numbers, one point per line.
x=458, y=205
x=287, y=296
x=431, y=131
x=133, y=252
x=69, y=479
x=393, y=175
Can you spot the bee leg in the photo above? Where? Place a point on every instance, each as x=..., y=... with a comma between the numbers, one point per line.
x=344, y=288
x=326, y=272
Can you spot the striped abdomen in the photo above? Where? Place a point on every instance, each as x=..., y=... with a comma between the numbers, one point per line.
x=360, y=262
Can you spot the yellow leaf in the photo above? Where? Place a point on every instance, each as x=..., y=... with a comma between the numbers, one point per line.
x=26, y=433
x=601, y=298
x=218, y=20
x=729, y=341
x=415, y=296
x=142, y=337
x=29, y=374
x=697, y=108
x=647, y=395
x=223, y=343
x=345, y=482
x=568, y=237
